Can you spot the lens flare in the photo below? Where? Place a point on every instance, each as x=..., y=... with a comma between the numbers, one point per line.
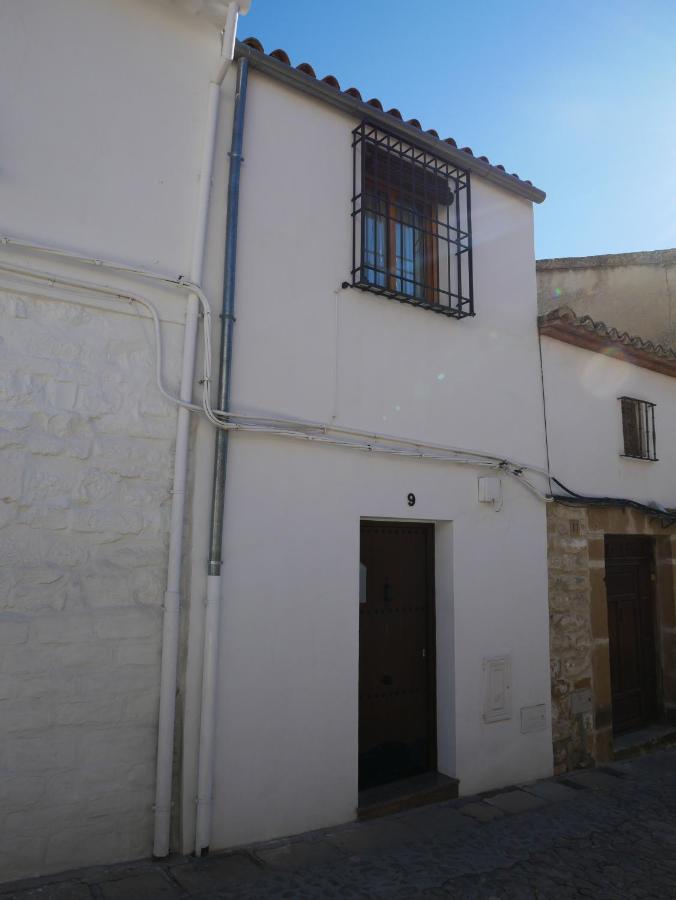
x=600, y=377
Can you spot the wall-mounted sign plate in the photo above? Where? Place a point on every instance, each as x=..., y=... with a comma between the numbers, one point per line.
x=533, y=718
x=497, y=689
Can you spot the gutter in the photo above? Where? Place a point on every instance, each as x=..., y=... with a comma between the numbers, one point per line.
x=172, y=595
x=205, y=770
x=359, y=110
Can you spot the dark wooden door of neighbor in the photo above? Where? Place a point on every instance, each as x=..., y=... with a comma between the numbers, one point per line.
x=631, y=630
x=397, y=715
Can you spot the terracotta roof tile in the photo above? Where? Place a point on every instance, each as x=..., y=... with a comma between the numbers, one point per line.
x=566, y=314
x=254, y=43
x=333, y=82
x=282, y=56
x=565, y=325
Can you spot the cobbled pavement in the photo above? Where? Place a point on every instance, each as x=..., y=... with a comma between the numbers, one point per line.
x=604, y=833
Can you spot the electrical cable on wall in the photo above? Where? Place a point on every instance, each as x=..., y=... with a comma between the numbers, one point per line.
x=316, y=432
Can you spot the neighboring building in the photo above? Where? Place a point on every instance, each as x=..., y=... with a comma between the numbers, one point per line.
x=634, y=291
x=610, y=402
x=383, y=598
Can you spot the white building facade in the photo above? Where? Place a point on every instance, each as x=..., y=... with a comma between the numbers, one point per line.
x=611, y=414
x=352, y=481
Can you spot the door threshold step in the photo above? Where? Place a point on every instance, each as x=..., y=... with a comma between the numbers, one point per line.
x=633, y=743
x=397, y=796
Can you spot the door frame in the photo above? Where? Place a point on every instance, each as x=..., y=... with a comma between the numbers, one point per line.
x=649, y=667
x=431, y=631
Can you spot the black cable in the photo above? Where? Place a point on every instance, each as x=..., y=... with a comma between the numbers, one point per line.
x=665, y=516
x=544, y=408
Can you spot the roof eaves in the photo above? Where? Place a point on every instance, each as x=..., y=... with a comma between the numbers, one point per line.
x=278, y=66
x=562, y=324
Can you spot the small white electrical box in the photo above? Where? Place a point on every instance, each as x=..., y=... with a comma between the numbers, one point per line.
x=533, y=718
x=497, y=689
x=490, y=490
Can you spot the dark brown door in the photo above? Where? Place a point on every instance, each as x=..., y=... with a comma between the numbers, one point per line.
x=631, y=630
x=397, y=733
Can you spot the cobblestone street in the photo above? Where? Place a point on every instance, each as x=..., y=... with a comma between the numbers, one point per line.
x=603, y=833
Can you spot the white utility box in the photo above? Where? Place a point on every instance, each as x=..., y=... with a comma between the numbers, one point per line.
x=490, y=490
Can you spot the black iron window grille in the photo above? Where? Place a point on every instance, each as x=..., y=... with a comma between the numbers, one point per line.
x=411, y=224
x=638, y=428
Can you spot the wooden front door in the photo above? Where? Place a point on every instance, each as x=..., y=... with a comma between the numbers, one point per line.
x=397, y=716
x=631, y=630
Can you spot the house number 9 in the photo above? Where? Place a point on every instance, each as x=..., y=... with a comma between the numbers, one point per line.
x=411, y=499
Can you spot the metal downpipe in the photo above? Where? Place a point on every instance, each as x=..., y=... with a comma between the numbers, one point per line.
x=212, y=613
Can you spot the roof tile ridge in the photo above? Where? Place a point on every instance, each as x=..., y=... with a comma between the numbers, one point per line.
x=282, y=56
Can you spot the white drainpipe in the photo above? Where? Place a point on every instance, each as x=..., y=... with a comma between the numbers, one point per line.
x=172, y=596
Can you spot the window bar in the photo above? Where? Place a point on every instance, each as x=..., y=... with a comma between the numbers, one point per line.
x=409, y=265
x=365, y=203
x=354, y=207
x=403, y=230
x=432, y=242
x=470, y=262
x=458, y=253
x=400, y=259
x=390, y=263
x=652, y=416
x=448, y=248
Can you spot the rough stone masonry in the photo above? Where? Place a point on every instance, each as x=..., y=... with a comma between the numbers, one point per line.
x=86, y=446
x=578, y=627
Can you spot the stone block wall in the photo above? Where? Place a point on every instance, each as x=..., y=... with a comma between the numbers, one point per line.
x=86, y=444
x=579, y=644
x=570, y=644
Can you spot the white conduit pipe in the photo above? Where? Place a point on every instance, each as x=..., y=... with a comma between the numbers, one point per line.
x=97, y=262
x=125, y=296
x=170, y=638
x=172, y=599
x=235, y=421
x=372, y=442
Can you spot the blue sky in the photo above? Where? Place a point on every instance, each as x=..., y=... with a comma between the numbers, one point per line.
x=579, y=97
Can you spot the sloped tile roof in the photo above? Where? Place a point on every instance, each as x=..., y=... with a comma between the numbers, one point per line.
x=281, y=56
x=565, y=325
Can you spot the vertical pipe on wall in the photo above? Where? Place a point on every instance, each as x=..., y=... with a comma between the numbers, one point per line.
x=212, y=615
x=172, y=596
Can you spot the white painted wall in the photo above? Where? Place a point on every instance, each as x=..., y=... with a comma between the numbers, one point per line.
x=103, y=110
x=287, y=707
x=585, y=424
x=103, y=106
x=86, y=449
x=100, y=154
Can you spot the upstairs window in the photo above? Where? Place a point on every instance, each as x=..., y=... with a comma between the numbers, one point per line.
x=411, y=215
x=638, y=428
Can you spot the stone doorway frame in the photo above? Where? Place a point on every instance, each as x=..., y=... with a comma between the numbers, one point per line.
x=579, y=644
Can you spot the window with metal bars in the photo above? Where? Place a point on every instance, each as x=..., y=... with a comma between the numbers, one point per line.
x=411, y=224
x=638, y=428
